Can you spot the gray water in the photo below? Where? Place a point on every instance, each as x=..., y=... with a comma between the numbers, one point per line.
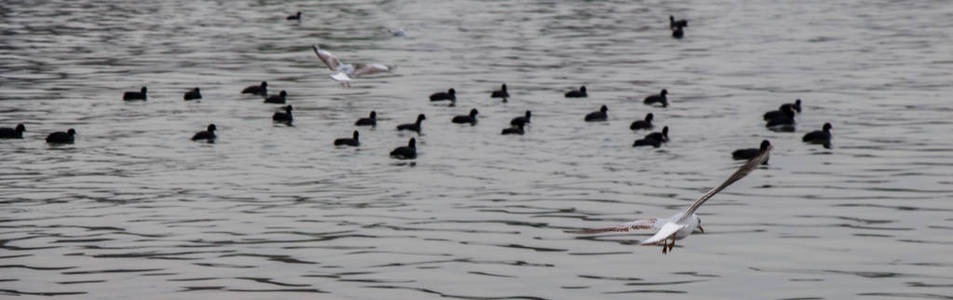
x=134, y=209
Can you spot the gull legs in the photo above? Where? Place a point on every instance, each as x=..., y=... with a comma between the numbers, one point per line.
x=666, y=246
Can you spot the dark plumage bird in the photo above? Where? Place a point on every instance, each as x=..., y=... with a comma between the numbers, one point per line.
x=413, y=126
x=661, y=136
x=261, y=90
x=785, y=111
x=647, y=142
x=661, y=98
x=294, y=17
x=369, y=121
x=208, y=134
x=471, y=118
x=822, y=136
x=406, y=152
x=131, y=96
x=749, y=153
x=515, y=129
x=784, y=123
x=672, y=23
x=796, y=106
x=450, y=94
x=581, y=93
x=678, y=32
x=193, y=94
x=277, y=99
x=348, y=141
x=502, y=93
x=643, y=124
x=521, y=121
x=598, y=116
x=284, y=117
x=60, y=137
x=12, y=133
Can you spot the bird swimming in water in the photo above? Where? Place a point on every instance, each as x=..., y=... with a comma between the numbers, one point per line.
x=277, y=99
x=502, y=93
x=12, y=133
x=60, y=137
x=684, y=223
x=661, y=98
x=294, y=17
x=353, y=141
x=515, y=129
x=822, y=137
x=369, y=121
x=471, y=118
x=261, y=90
x=654, y=139
x=192, y=94
x=406, y=152
x=284, y=117
x=581, y=93
x=413, y=126
x=207, y=135
x=643, y=124
x=521, y=121
x=132, y=96
x=598, y=116
x=672, y=23
x=749, y=153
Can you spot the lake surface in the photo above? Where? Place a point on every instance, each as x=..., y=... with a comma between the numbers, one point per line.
x=134, y=209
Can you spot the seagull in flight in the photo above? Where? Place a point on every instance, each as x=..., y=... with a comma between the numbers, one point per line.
x=682, y=224
x=344, y=71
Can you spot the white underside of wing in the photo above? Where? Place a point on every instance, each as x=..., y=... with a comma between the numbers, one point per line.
x=634, y=225
x=667, y=231
x=371, y=69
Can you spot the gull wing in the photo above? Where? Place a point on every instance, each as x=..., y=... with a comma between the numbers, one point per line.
x=329, y=59
x=637, y=224
x=342, y=78
x=667, y=231
x=371, y=69
x=740, y=173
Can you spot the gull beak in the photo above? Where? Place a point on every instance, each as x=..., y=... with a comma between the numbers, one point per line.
x=701, y=229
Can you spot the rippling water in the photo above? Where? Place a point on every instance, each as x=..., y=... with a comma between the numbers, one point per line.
x=135, y=209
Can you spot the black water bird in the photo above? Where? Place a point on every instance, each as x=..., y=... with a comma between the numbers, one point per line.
x=284, y=117
x=60, y=137
x=294, y=17
x=521, y=121
x=277, y=99
x=515, y=129
x=581, y=93
x=785, y=111
x=647, y=142
x=598, y=116
x=369, y=121
x=406, y=152
x=672, y=23
x=12, y=133
x=471, y=118
x=661, y=98
x=660, y=136
x=749, y=153
x=643, y=124
x=131, y=96
x=796, y=106
x=502, y=93
x=450, y=94
x=192, y=94
x=413, y=126
x=353, y=141
x=208, y=134
x=678, y=32
x=783, y=123
x=261, y=90
x=822, y=136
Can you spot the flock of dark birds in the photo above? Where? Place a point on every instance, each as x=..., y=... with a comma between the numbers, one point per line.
x=778, y=120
